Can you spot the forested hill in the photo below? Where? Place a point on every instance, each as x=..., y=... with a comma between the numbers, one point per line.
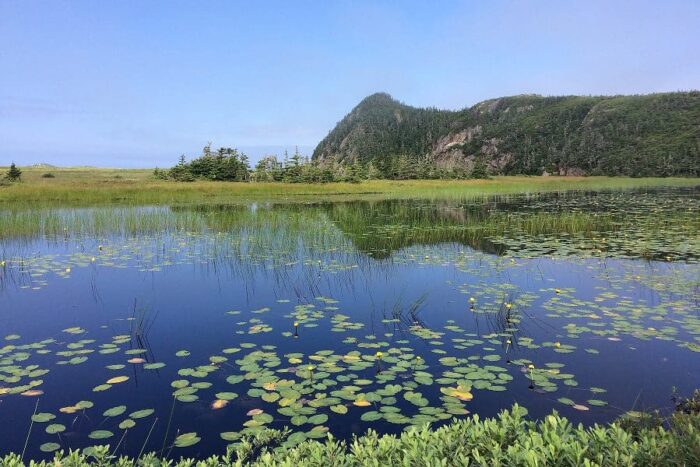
x=647, y=135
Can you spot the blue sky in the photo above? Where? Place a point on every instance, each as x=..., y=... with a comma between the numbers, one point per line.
x=135, y=84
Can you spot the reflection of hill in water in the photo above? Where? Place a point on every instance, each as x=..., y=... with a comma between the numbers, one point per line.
x=379, y=228
x=639, y=224
x=655, y=223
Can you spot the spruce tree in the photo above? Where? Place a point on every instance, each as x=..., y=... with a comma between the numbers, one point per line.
x=14, y=174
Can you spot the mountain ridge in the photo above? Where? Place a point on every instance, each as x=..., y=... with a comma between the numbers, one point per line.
x=653, y=134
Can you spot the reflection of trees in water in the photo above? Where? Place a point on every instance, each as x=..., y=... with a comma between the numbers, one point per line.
x=375, y=227
x=380, y=228
x=272, y=238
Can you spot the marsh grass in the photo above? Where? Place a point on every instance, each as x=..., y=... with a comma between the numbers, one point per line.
x=88, y=186
x=407, y=224
x=378, y=228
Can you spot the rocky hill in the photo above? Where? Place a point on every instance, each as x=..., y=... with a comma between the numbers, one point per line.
x=646, y=135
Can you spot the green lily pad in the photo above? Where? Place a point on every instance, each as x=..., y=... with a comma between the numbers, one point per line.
x=50, y=447
x=100, y=434
x=55, y=428
x=186, y=440
x=126, y=424
x=141, y=413
x=115, y=411
x=42, y=417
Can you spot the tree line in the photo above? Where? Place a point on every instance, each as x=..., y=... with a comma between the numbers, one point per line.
x=229, y=164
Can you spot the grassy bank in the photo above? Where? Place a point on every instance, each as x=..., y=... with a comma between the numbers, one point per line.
x=103, y=186
x=507, y=440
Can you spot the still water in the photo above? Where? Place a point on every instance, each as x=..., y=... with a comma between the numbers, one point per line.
x=180, y=329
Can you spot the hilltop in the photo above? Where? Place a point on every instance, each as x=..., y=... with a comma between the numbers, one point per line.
x=643, y=135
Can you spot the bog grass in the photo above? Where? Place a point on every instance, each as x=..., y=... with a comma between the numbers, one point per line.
x=89, y=186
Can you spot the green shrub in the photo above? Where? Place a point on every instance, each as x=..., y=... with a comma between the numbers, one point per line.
x=507, y=440
x=159, y=174
x=14, y=174
x=226, y=164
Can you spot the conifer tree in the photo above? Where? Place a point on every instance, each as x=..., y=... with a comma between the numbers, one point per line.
x=14, y=174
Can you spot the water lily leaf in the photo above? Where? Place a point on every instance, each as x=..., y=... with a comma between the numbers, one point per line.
x=318, y=419
x=188, y=398
x=234, y=379
x=50, y=447
x=115, y=411
x=219, y=404
x=186, y=440
x=230, y=436
x=179, y=384
x=117, y=380
x=42, y=417
x=297, y=437
x=100, y=434
x=298, y=420
x=371, y=416
x=141, y=413
x=270, y=397
x=55, y=428
x=339, y=409
x=126, y=424
x=263, y=418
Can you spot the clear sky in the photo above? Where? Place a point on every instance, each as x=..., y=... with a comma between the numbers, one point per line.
x=137, y=83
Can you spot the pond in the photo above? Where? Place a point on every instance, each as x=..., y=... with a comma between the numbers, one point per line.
x=180, y=329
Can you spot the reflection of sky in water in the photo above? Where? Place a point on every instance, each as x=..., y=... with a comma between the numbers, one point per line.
x=186, y=283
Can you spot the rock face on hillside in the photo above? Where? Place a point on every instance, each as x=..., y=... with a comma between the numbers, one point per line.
x=651, y=135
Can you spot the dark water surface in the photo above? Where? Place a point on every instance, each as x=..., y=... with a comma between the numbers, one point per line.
x=407, y=311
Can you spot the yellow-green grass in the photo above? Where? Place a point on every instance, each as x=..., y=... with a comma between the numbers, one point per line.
x=87, y=186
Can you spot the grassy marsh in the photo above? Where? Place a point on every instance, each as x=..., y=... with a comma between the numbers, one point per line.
x=85, y=186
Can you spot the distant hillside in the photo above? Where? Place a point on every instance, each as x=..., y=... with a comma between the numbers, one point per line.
x=650, y=135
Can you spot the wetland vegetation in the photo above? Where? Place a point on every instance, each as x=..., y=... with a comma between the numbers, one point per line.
x=258, y=324
x=88, y=186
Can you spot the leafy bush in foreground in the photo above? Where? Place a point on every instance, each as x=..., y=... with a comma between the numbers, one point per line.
x=507, y=440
